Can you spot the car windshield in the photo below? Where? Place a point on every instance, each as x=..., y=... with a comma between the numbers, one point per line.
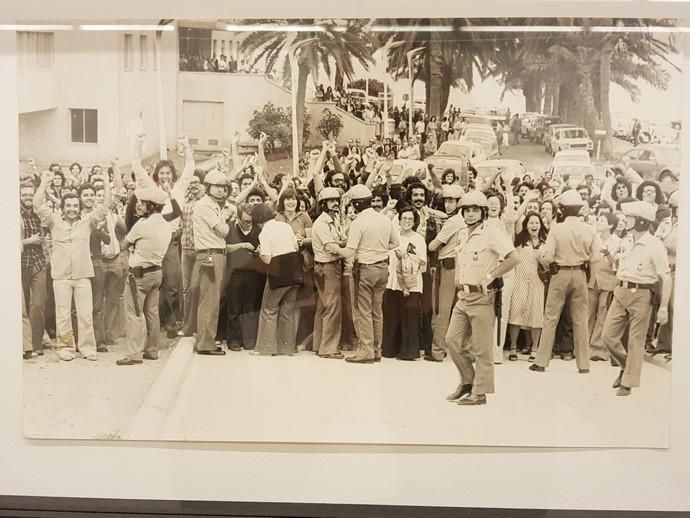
x=453, y=149
x=573, y=170
x=476, y=134
x=573, y=133
x=484, y=171
x=572, y=157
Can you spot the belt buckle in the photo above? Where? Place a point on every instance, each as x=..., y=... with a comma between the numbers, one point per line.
x=634, y=290
x=465, y=289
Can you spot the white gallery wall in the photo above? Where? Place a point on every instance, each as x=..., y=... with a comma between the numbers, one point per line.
x=444, y=476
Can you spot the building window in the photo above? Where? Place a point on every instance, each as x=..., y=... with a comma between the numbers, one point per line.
x=143, y=40
x=36, y=50
x=128, y=51
x=84, y=123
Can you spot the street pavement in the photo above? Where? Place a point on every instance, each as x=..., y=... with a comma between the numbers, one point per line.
x=245, y=398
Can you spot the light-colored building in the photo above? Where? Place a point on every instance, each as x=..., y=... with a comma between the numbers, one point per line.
x=84, y=95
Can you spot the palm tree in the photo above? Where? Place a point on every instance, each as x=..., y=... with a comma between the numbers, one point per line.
x=447, y=59
x=343, y=41
x=579, y=66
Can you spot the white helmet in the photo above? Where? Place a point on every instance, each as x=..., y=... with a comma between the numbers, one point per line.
x=359, y=192
x=328, y=193
x=215, y=177
x=474, y=199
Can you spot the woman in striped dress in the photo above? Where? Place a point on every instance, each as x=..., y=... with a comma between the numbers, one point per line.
x=527, y=300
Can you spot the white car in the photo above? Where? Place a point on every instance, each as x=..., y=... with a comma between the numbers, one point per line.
x=571, y=138
x=572, y=173
x=486, y=169
x=572, y=155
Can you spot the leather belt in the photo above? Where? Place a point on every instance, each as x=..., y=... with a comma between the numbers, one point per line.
x=140, y=271
x=576, y=267
x=469, y=288
x=374, y=264
x=211, y=251
x=635, y=286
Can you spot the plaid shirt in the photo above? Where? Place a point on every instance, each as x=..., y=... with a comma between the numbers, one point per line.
x=33, y=256
x=187, y=226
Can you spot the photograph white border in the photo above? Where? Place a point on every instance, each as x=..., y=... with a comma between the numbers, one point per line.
x=448, y=476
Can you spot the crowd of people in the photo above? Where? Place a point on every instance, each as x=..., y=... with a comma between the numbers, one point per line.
x=349, y=261
x=217, y=63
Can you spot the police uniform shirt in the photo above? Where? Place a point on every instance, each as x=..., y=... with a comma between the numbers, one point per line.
x=150, y=238
x=571, y=243
x=449, y=236
x=642, y=261
x=325, y=231
x=372, y=235
x=206, y=215
x=478, y=252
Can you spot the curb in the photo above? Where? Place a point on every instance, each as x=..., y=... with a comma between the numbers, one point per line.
x=150, y=419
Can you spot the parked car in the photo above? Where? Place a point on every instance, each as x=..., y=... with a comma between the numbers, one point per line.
x=652, y=162
x=572, y=155
x=529, y=119
x=485, y=139
x=404, y=167
x=570, y=138
x=456, y=155
x=572, y=173
x=488, y=168
x=541, y=126
x=550, y=134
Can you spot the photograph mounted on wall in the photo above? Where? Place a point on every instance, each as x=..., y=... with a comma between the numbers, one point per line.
x=453, y=231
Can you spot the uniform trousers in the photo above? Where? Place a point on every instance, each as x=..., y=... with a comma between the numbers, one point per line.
x=633, y=308
x=35, y=292
x=370, y=285
x=596, y=343
x=570, y=286
x=666, y=331
x=170, y=289
x=208, y=283
x=329, y=308
x=439, y=323
x=143, y=330
x=80, y=289
x=470, y=342
x=190, y=297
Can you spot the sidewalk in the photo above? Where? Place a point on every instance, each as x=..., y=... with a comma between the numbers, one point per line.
x=83, y=399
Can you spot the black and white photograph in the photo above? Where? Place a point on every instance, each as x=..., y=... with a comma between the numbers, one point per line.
x=447, y=231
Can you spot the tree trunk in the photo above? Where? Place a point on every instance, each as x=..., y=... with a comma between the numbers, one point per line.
x=301, y=96
x=548, y=97
x=434, y=85
x=445, y=90
x=604, y=85
x=531, y=91
x=556, y=98
x=584, y=71
x=338, y=78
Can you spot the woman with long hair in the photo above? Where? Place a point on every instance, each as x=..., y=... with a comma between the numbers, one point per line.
x=527, y=301
x=288, y=211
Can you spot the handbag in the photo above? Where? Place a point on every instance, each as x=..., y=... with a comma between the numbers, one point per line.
x=285, y=270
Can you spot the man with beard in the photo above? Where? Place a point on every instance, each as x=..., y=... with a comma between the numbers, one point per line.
x=71, y=267
x=34, y=268
x=572, y=245
x=483, y=255
x=210, y=217
x=419, y=197
x=444, y=280
x=328, y=271
x=372, y=237
x=149, y=240
x=642, y=261
x=247, y=279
